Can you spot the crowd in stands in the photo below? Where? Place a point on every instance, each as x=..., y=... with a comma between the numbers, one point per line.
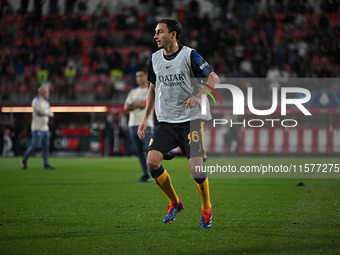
x=99, y=52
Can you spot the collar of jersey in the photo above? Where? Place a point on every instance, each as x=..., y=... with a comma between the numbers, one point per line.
x=173, y=56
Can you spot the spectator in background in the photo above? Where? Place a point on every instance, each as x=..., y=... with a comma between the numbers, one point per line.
x=1, y=139
x=53, y=8
x=123, y=133
x=3, y=73
x=23, y=6
x=19, y=67
x=7, y=143
x=69, y=6
x=70, y=81
x=117, y=83
x=115, y=64
x=285, y=32
x=40, y=129
x=238, y=52
x=102, y=67
x=231, y=134
x=38, y=9
x=135, y=104
x=5, y=8
x=42, y=74
x=246, y=67
x=273, y=76
x=82, y=6
x=108, y=135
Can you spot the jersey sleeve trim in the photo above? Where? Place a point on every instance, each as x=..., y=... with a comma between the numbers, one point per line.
x=151, y=73
x=199, y=66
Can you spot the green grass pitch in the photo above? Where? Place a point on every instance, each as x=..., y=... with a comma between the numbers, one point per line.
x=93, y=206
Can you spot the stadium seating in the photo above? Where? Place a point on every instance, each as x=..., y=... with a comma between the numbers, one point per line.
x=55, y=29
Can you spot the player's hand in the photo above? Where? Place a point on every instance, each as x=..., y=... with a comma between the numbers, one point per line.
x=141, y=129
x=192, y=101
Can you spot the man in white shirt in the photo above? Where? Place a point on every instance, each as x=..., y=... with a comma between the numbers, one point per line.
x=135, y=104
x=40, y=130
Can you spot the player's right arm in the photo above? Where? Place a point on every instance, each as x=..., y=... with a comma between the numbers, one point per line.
x=150, y=103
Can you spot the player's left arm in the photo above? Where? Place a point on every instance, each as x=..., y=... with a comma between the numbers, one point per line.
x=212, y=80
x=201, y=69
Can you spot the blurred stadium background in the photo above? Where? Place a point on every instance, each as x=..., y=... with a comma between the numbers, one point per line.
x=88, y=51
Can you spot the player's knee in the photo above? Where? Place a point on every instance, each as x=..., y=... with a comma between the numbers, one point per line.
x=154, y=160
x=153, y=164
x=194, y=171
x=195, y=167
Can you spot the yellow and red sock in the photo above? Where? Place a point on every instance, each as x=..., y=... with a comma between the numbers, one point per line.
x=163, y=180
x=202, y=186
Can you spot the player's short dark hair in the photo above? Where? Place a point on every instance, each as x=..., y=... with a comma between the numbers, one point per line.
x=142, y=69
x=173, y=25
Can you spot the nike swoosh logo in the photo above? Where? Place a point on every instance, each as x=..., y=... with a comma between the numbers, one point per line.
x=167, y=67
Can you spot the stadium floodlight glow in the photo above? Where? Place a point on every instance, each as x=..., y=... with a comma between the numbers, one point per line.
x=61, y=109
x=79, y=108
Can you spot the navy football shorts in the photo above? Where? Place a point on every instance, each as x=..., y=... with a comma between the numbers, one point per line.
x=189, y=136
